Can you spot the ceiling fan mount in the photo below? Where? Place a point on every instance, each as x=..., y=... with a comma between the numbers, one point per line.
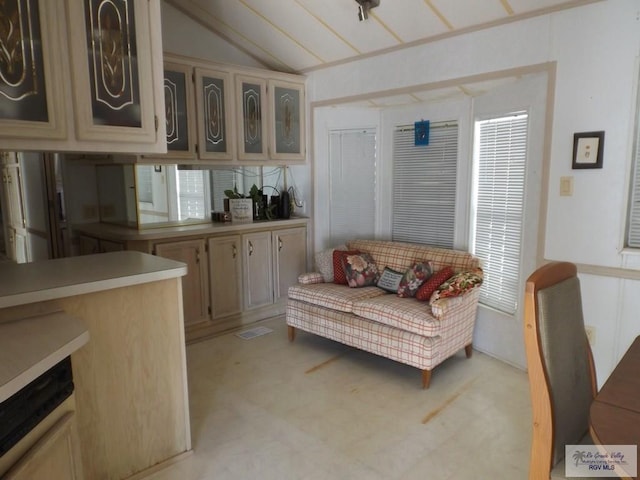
x=364, y=6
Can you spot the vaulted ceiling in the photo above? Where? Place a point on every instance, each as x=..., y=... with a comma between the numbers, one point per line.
x=302, y=35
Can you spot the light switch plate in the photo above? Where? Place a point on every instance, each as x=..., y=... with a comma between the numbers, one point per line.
x=566, y=186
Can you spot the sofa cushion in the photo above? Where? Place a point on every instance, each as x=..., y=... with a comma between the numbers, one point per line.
x=400, y=255
x=360, y=270
x=431, y=285
x=415, y=276
x=404, y=313
x=331, y=295
x=458, y=285
x=339, y=275
x=324, y=262
x=390, y=280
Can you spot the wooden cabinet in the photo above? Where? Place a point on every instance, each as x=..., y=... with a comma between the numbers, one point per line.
x=179, y=106
x=82, y=76
x=215, y=111
x=55, y=456
x=289, y=259
x=195, y=285
x=225, y=273
x=257, y=269
x=240, y=114
x=251, y=114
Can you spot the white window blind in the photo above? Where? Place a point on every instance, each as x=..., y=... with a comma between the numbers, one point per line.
x=144, y=180
x=424, y=186
x=221, y=180
x=191, y=194
x=501, y=147
x=352, y=177
x=633, y=229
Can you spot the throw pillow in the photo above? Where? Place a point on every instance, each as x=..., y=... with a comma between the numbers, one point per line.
x=390, y=280
x=324, y=262
x=415, y=276
x=432, y=284
x=360, y=270
x=338, y=270
x=458, y=284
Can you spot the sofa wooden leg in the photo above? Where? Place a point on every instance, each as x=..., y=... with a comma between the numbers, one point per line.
x=426, y=378
x=468, y=350
x=291, y=332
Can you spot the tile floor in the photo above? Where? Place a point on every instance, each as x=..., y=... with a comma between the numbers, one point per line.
x=314, y=409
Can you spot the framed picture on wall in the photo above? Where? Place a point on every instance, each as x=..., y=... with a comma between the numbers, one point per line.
x=587, y=150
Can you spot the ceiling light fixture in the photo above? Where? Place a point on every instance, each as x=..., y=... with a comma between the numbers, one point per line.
x=364, y=6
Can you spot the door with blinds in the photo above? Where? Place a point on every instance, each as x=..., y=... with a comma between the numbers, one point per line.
x=508, y=146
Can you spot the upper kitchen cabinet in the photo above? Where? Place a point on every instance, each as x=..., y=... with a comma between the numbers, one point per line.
x=92, y=76
x=287, y=115
x=179, y=105
x=251, y=110
x=214, y=105
x=31, y=78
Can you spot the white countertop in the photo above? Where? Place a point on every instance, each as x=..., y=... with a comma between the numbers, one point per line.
x=31, y=346
x=21, y=284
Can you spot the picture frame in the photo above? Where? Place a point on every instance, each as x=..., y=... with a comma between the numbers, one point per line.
x=588, y=148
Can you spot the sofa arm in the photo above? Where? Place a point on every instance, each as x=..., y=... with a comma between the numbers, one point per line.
x=443, y=306
x=310, y=278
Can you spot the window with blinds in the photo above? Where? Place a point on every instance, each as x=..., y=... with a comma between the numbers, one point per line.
x=352, y=177
x=424, y=186
x=500, y=150
x=633, y=223
x=192, y=194
x=144, y=182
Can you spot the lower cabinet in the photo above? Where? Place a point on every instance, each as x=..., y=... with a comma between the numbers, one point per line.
x=257, y=271
x=289, y=259
x=225, y=273
x=234, y=277
x=54, y=457
x=195, y=284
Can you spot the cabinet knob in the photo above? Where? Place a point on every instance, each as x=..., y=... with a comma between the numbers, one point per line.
x=279, y=244
x=250, y=248
x=235, y=251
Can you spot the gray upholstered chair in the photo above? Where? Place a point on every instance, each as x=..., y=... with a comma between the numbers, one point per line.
x=562, y=376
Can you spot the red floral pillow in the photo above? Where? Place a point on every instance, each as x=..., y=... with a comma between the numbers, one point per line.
x=458, y=284
x=360, y=270
x=431, y=285
x=413, y=278
x=339, y=276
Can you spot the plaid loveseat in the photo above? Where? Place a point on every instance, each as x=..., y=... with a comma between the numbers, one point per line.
x=416, y=333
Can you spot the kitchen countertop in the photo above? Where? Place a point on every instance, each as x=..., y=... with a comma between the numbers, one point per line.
x=26, y=283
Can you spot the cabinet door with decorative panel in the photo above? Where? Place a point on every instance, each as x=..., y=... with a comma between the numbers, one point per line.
x=286, y=120
x=112, y=67
x=257, y=269
x=225, y=273
x=251, y=109
x=195, y=285
x=289, y=259
x=215, y=113
x=31, y=78
x=179, y=107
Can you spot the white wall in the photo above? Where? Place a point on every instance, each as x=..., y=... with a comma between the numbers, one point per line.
x=596, y=48
x=182, y=36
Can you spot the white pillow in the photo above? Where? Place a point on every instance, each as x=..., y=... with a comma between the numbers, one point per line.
x=324, y=262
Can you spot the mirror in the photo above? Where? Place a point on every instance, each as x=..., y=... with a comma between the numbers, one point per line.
x=187, y=194
x=117, y=194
